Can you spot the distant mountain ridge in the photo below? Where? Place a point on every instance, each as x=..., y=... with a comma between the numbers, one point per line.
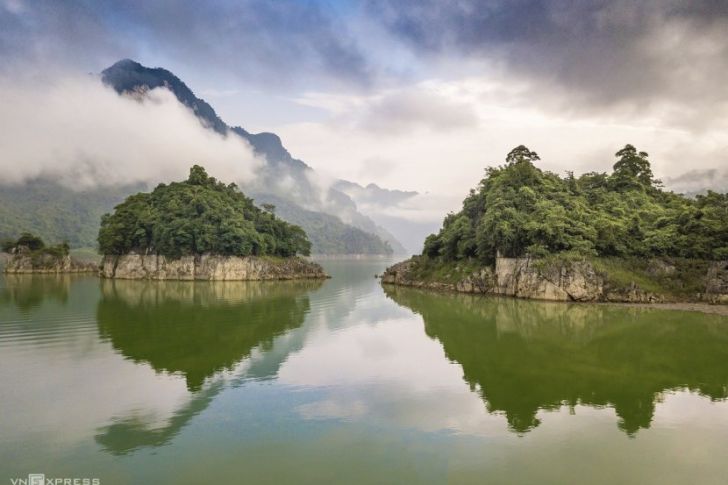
x=128, y=76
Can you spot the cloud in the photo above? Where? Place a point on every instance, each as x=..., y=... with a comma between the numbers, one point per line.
x=427, y=105
x=257, y=41
x=596, y=53
x=81, y=133
x=401, y=112
x=698, y=181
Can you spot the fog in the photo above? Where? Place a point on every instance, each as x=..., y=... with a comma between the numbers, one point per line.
x=77, y=131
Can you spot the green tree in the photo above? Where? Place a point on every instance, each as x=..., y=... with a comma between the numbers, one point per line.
x=197, y=216
x=632, y=170
x=518, y=209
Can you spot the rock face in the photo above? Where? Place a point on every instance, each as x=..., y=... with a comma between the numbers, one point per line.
x=517, y=277
x=573, y=281
x=523, y=278
x=208, y=267
x=26, y=263
x=716, y=290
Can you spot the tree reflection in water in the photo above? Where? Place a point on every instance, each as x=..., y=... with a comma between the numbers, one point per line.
x=525, y=356
x=196, y=329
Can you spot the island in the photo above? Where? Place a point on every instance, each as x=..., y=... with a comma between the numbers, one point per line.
x=621, y=237
x=201, y=229
x=30, y=254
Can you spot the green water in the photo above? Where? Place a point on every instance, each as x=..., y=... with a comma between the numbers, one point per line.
x=346, y=382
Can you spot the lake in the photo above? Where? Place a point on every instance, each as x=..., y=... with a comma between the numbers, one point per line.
x=345, y=381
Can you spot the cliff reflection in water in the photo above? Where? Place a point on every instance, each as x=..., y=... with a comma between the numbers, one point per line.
x=28, y=291
x=525, y=356
x=196, y=329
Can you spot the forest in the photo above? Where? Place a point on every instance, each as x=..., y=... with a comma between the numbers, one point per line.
x=196, y=216
x=518, y=209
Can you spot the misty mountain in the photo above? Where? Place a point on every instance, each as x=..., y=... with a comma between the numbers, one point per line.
x=373, y=194
x=381, y=204
x=57, y=213
x=328, y=235
x=282, y=177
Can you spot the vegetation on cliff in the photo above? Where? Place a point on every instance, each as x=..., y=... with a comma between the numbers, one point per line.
x=196, y=216
x=518, y=209
x=33, y=246
x=30, y=254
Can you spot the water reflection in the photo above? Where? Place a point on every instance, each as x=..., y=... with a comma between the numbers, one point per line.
x=522, y=357
x=196, y=330
x=27, y=291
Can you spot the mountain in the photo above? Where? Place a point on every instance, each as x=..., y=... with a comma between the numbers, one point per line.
x=373, y=194
x=388, y=209
x=57, y=213
x=130, y=77
x=327, y=233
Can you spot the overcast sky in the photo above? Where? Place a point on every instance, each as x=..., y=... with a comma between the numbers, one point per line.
x=421, y=94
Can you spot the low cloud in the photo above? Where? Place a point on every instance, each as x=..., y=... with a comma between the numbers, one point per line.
x=79, y=132
x=699, y=181
x=405, y=111
x=427, y=105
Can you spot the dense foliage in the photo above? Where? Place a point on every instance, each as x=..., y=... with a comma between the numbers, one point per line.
x=57, y=213
x=29, y=243
x=518, y=209
x=199, y=215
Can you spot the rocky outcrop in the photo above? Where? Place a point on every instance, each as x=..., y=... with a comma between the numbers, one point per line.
x=716, y=290
x=526, y=278
x=21, y=262
x=556, y=281
x=208, y=267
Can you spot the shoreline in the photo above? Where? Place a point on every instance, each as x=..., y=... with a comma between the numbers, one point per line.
x=699, y=307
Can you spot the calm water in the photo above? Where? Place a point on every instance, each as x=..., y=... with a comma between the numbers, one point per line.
x=346, y=382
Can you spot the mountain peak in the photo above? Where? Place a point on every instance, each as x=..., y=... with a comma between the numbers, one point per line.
x=124, y=64
x=128, y=75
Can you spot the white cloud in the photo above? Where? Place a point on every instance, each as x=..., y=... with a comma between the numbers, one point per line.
x=81, y=133
x=450, y=162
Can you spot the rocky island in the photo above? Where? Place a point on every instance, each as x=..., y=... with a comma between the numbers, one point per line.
x=30, y=254
x=617, y=237
x=201, y=229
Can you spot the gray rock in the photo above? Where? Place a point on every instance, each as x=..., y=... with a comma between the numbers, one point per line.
x=208, y=267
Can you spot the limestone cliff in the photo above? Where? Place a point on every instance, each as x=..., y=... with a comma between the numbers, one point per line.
x=23, y=262
x=564, y=281
x=208, y=267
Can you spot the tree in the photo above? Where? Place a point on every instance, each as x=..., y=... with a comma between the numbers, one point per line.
x=30, y=241
x=519, y=209
x=521, y=154
x=199, y=215
x=198, y=176
x=632, y=170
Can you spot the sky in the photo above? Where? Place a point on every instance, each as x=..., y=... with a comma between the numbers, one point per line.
x=415, y=95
